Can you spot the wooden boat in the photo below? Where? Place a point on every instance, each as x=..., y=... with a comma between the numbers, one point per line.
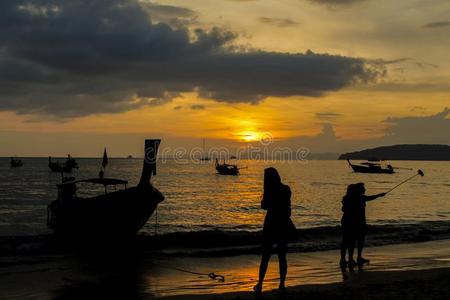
x=371, y=167
x=226, y=169
x=71, y=162
x=114, y=213
x=59, y=167
x=14, y=162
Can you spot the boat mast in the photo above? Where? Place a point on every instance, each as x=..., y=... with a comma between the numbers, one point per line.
x=149, y=166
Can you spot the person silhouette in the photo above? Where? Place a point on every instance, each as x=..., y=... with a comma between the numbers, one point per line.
x=361, y=223
x=348, y=225
x=277, y=225
x=353, y=224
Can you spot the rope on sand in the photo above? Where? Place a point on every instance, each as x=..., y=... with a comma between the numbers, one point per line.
x=211, y=275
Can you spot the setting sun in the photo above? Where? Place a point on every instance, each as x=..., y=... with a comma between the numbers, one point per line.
x=249, y=136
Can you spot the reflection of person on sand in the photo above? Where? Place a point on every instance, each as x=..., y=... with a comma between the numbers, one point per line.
x=277, y=224
x=354, y=223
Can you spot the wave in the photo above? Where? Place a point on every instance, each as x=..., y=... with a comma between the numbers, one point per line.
x=229, y=243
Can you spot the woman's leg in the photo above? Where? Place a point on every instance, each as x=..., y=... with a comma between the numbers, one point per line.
x=262, y=269
x=283, y=265
x=361, y=245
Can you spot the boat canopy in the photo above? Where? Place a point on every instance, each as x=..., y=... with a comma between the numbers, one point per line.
x=102, y=181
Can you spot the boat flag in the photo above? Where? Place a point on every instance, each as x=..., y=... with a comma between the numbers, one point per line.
x=105, y=159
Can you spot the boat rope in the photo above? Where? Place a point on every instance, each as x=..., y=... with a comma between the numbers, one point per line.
x=211, y=275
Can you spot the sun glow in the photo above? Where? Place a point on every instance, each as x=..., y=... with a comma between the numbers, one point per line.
x=249, y=136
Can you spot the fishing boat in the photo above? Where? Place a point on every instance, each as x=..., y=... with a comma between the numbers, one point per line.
x=65, y=167
x=14, y=162
x=59, y=167
x=371, y=167
x=71, y=162
x=226, y=169
x=114, y=212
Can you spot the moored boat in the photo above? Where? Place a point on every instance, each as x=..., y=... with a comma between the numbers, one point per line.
x=226, y=169
x=114, y=213
x=371, y=167
x=15, y=162
x=59, y=167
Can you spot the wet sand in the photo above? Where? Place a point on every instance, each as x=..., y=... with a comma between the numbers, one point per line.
x=377, y=285
x=396, y=271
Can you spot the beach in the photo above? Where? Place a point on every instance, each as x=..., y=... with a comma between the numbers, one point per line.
x=411, y=270
x=424, y=284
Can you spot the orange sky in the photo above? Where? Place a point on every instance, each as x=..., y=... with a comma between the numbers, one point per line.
x=415, y=84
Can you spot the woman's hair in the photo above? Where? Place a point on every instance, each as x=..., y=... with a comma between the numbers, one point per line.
x=351, y=188
x=272, y=182
x=360, y=188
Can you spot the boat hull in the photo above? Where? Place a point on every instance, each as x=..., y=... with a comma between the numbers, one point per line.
x=363, y=169
x=115, y=214
x=222, y=170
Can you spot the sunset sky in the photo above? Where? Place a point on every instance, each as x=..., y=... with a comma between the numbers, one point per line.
x=331, y=75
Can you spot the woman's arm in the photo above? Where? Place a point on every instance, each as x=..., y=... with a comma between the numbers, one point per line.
x=373, y=197
x=264, y=203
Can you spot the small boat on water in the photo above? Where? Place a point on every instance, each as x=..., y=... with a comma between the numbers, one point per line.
x=204, y=156
x=15, y=162
x=371, y=167
x=65, y=167
x=115, y=213
x=226, y=169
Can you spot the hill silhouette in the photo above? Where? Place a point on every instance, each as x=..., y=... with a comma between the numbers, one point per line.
x=402, y=152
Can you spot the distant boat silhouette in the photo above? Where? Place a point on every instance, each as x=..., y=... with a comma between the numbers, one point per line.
x=59, y=167
x=226, y=169
x=371, y=167
x=14, y=162
x=204, y=156
x=117, y=213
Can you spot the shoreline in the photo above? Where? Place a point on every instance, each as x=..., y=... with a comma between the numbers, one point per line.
x=76, y=276
x=216, y=243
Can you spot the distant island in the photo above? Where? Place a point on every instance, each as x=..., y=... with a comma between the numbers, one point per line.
x=402, y=152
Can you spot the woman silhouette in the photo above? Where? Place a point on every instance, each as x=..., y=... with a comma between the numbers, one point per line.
x=277, y=224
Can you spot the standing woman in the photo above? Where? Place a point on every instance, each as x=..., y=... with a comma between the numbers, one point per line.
x=277, y=225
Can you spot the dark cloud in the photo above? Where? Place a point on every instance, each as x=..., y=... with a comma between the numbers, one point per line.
x=75, y=58
x=336, y=2
x=197, y=107
x=327, y=115
x=280, y=22
x=441, y=24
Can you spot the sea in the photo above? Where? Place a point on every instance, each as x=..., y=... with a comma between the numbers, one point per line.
x=205, y=205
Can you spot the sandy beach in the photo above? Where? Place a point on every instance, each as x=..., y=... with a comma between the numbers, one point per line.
x=396, y=271
x=423, y=284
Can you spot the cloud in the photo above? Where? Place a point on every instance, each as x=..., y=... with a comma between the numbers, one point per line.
x=280, y=22
x=75, y=58
x=433, y=129
x=440, y=24
x=336, y=2
x=198, y=107
x=327, y=115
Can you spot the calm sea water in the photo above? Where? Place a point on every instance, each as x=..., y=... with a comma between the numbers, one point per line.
x=199, y=199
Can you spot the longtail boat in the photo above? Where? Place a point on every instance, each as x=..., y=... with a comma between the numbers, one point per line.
x=115, y=212
x=65, y=167
x=226, y=169
x=371, y=167
x=15, y=162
